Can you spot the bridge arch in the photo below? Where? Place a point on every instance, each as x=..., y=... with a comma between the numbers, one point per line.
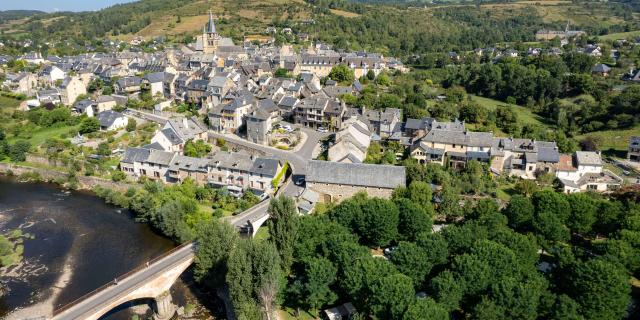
x=151, y=281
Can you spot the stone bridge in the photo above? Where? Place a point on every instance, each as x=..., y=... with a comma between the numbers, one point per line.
x=151, y=281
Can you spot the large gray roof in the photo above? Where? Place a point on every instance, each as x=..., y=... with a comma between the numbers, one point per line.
x=132, y=155
x=266, y=166
x=365, y=175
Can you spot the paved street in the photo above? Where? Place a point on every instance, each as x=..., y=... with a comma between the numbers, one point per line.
x=297, y=160
x=87, y=307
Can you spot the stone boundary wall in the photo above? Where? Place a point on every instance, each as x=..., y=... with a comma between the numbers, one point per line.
x=84, y=182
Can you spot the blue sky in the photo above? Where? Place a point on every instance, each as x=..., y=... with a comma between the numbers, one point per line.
x=58, y=5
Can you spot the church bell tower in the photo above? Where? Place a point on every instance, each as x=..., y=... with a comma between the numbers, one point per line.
x=210, y=37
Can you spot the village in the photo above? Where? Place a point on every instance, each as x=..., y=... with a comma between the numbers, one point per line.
x=284, y=111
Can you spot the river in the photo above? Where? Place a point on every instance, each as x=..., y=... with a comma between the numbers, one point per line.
x=79, y=243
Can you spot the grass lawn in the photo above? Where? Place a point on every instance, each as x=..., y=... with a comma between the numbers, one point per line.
x=262, y=234
x=620, y=35
x=39, y=136
x=6, y=102
x=613, y=142
x=524, y=115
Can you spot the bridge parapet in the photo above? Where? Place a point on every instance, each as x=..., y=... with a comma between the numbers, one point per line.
x=150, y=280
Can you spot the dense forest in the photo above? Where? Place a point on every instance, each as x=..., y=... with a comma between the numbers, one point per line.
x=409, y=32
x=9, y=15
x=545, y=255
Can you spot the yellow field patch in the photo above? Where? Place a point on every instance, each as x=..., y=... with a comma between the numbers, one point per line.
x=345, y=14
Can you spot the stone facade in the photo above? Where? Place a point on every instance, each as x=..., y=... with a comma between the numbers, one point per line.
x=336, y=192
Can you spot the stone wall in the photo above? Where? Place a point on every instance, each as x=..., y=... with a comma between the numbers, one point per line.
x=337, y=192
x=84, y=182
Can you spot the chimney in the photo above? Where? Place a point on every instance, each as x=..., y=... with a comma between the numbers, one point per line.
x=185, y=123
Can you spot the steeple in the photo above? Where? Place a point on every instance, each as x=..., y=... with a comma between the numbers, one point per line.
x=211, y=27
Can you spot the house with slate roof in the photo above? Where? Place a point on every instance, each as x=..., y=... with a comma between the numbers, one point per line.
x=235, y=171
x=70, y=89
x=351, y=143
x=633, y=153
x=177, y=131
x=111, y=120
x=583, y=171
x=336, y=181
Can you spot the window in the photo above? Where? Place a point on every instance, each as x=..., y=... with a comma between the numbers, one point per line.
x=592, y=187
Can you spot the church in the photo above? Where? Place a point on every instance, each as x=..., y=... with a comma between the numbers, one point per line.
x=210, y=42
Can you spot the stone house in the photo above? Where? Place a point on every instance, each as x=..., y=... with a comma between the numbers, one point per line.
x=230, y=116
x=583, y=171
x=177, y=131
x=335, y=181
x=70, y=89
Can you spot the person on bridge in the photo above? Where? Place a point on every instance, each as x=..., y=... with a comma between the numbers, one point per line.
x=115, y=281
x=147, y=264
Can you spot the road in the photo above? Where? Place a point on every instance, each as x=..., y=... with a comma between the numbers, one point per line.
x=297, y=161
x=87, y=307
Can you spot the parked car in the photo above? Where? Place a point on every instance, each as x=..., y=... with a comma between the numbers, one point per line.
x=299, y=181
x=322, y=130
x=287, y=128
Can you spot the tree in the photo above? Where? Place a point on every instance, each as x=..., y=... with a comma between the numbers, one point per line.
x=379, y=222
x=553, y=203
x=526, y=187
x=281, y=73
x=519, y=211
x=601, y=288
x=267, y=276
x=89, y=125
x=583, y=212
x=360, y=276
x=283, y=228
x=435, y=245
x=448, y=290
x=214, y=239
x=549, y=226
x=18, y=151
x=425, y=309
x=421, y=194
x=412, y=219
x=313, y=286
x=131, y=125
x=371, y=75
x=196, y=149
x=342, y=73
x=391, y=296
x=103, y=149
x=412, y=260
x=239, y=275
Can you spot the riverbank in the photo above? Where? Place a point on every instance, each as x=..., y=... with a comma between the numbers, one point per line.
x=46, y=307
x=80, y=242
x=62, y=178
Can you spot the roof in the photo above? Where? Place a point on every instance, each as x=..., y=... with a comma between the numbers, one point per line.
x=565, y=163
x=601, y=68
x=365, y=175
x=107, y=118
x=132, y=155
x=172, y=136
x=588, y=158
x=265, y=166
x=160, y=157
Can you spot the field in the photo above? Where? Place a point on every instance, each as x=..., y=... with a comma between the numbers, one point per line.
x=39, y=136
x=613, y=142
x=621, y=35
x=524, y=115
x=345, y=14
x=6, y=102
x=233, y=19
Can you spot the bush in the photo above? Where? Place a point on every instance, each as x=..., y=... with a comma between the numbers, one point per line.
x=118, y=176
